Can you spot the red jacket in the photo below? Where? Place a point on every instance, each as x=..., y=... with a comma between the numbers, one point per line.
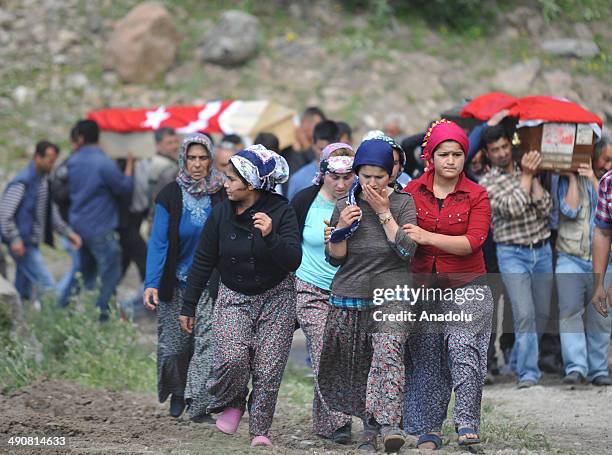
x=465, y=212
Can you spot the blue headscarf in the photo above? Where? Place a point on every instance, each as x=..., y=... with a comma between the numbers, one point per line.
x=372, y=152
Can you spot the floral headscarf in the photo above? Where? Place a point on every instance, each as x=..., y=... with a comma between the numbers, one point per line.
x=262, y=168
x=210, y=184
x=325, y=156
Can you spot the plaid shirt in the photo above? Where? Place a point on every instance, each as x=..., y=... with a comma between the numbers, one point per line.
x=351, y=303
x=517, y=219
x=603, y=214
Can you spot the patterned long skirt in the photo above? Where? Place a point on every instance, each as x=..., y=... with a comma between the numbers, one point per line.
x=361, y=370
x=451, y=356
x=253, y=337
x=312, y=309
x=200, y=367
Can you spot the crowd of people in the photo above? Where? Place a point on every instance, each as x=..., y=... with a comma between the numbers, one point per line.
x=232, y=267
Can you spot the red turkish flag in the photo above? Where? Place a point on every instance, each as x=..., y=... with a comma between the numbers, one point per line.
x=483, y=107
x=189, y=119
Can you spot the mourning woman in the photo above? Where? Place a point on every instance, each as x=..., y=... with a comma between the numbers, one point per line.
x=454, y=216
x=252, y=239
x=182, y=208
x=314, y=207
x=361, y=370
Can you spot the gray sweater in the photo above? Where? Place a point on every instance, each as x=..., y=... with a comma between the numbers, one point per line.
x=371, y=260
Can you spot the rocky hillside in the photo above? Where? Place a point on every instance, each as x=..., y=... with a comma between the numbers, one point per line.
x=56, y=62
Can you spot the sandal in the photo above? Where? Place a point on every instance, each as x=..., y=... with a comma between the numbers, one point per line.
x=367, y=441
x=430, y=437
x=463, y=432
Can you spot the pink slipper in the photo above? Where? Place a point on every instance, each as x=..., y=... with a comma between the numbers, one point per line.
x=229, y=420
x=261, y=441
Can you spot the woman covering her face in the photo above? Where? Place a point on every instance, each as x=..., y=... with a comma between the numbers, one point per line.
x=252, y=239
x=454, y=216
x=361, y=370
x=314, y=207
x=182, y=208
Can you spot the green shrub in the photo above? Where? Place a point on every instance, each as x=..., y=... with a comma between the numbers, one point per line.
x=70, y=343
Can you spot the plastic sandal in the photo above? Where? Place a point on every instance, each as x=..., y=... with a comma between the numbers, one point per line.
x=467, y=441
x=430, y=437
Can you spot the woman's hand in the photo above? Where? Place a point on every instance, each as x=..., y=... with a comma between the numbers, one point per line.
x=187, y=323
x=379, y=202
x=262, y=222
x=328, y=231
x=150, y=299
x=349, y=214
x=417, y=234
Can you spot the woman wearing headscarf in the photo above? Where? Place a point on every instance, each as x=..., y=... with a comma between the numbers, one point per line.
x=252, y=239
x=361, y=370
x=314, y=207
x=182, y=208
x=454, y=216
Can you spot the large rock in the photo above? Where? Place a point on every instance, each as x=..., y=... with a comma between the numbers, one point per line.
x=569, y=47
x=233, y=40
x=518, y=78
x=10, y=307
x=144, y=44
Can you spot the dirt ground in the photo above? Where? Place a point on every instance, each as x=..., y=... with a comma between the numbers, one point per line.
x=573, y=420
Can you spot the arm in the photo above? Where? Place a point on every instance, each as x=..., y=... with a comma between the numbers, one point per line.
x=157, y=248
x=569, y=196
x=402, y=244
x=474, y=140
x=204, y=261
x=335, y=253
x=59, y=225
x=541, y=199
x=118, y=183
x=284, y=242
x=602, y=241
x=8, y=207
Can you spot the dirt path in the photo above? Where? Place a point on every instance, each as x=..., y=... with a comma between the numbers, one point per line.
x=99, y=421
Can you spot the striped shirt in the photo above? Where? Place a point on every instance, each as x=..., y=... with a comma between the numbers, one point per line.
x=8, y=208
x=516, y=217
x=603, y=214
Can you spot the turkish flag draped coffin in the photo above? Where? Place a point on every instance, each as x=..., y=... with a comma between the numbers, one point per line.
x=126, y=131
x=563, y=131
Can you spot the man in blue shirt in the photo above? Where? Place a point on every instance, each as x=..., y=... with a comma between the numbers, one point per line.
x=325, y=133
x=95, y=182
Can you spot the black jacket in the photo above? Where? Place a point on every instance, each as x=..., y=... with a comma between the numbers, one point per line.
x=301, y=203
x=171, y=198
x=247, y=262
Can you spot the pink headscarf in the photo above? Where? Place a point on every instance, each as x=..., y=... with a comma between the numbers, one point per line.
x=441, y=131
x=331, y=148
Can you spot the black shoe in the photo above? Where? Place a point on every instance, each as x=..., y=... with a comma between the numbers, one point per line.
x=177, y=405
x=601, y=381
x=202, y=418
x=342, y=435
x=573, y=378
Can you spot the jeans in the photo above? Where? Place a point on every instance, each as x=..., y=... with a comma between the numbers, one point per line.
x=527, y=274
x=101, y=256
x=31, y=271
x=584, y=338
x=65, y=284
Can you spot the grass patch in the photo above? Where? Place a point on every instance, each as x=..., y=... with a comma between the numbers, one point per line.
x=70, y=344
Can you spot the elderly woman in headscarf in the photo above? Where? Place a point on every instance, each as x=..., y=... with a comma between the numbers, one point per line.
x=454, y=216
x=314, y=207
x=361, y=370
x=253, y=240
x=182, y=208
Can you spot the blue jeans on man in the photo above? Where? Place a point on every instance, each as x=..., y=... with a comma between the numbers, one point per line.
x=31, y=271
x=101, y=257
x=64, y=286
x=585, y=339
x=527, y=274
